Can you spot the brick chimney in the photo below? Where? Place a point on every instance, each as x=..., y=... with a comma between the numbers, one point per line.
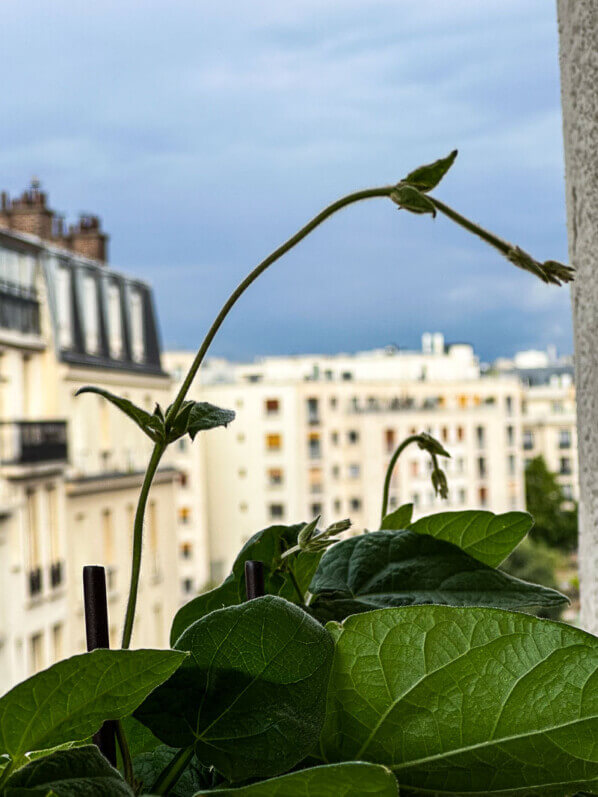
x=30, y=214
x=86, y=238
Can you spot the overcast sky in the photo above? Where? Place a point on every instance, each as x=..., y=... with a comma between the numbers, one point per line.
x=205, y=133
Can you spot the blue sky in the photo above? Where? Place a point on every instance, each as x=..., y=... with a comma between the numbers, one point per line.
x=205, y=133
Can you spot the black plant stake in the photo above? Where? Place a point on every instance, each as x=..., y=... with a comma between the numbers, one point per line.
x=96, y=631
x=254, y=579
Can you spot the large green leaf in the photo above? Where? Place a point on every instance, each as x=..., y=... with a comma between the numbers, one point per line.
x=152, y=425
x=466, y=701
x=402, y=568
x=351, y=779
x=70, y=700
x=197, y=416
x=265, y=546
x=251, y=696
x=483, y=535
x=68, y=773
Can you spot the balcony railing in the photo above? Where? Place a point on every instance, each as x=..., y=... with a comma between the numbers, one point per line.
x=32, y=442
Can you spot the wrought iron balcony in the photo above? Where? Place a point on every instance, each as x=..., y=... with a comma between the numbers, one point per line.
x=32, y=442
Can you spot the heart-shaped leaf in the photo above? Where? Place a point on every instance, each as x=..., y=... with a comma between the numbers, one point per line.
x=466, y=701
x=152, y=425
x=251, y=696
x=427, y=177
x=266, y=546
x=351, y=779
x=402, y=568
x=71, y=699
x=409, y=198
x=68, y=773
x=148, y=766
x=399, y=519
x=483, y=535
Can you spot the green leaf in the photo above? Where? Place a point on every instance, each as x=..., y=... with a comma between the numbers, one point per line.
x=402, y=568
x=409, y=198
x=483, y=535
x=251, y=696
x=69, y=773
x=207, y=416
x=352, y=779
x=266, y=546
x=70, y=700
x=399, y=519
x=150, y=424
x=466, y=701
x=425, y=178
x=139, y=738
x=148, y=766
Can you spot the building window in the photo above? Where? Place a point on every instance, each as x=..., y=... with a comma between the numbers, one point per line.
x=354, y=471
x=460, y=433
x=65, y=312
x=115, y=334
x=313, y=411
x=182, y=444
x=528, y=439
x=187, y=585
x=137, y=341
x=33, y=551
x=462, y=496
x=315, y=480
x=315, y=510
x=36, y=652
x=558, y=407
x=333, y=402
x=184, y=515
x=389, y=440
x=274, y=477
x=336, y=471
x=567, y=492
x=509, y=404
x=480, y=433
x=53, y=524
x=346, y=376
x=272, y=406
x=565, y=466
x=353, y=436
x=483, y=496
x=510, y=435
x=334, y=438
x=314, y=448
x=415, y=499
x=273, y=442
x=564, y=438
x=58, y=641
x=90, y=314
x=511, y=464
x=481, y=467
x=186, y=550
x=276, y=511
x=355, y=504
x=414, y=468
x=337, y=505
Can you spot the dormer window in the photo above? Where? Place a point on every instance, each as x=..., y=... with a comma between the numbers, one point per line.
x=90, y=314
x=137, y=342
x=115, y=336
x=65, y=314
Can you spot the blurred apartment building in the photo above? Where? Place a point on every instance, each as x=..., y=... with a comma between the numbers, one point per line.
x=71, y=468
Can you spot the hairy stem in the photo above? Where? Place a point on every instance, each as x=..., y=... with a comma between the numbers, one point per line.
x=391, y=465
x=172, y=771
x=504, y=247
x=152, y=467
x=6, y=772
x=357, y=196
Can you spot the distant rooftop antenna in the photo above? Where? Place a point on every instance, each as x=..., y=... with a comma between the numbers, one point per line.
x=35, y=183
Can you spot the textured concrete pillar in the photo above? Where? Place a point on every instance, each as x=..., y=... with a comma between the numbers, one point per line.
x=578, y=29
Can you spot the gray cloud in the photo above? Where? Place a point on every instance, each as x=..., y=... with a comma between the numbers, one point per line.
x=205, y=133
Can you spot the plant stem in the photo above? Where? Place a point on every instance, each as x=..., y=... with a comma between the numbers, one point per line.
x=125, y=753
x=172, y=771
x=296, y=585
x=393, y=461
x=6, y=773
x=357, y=196
x=504, y=247
x=138, y=542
